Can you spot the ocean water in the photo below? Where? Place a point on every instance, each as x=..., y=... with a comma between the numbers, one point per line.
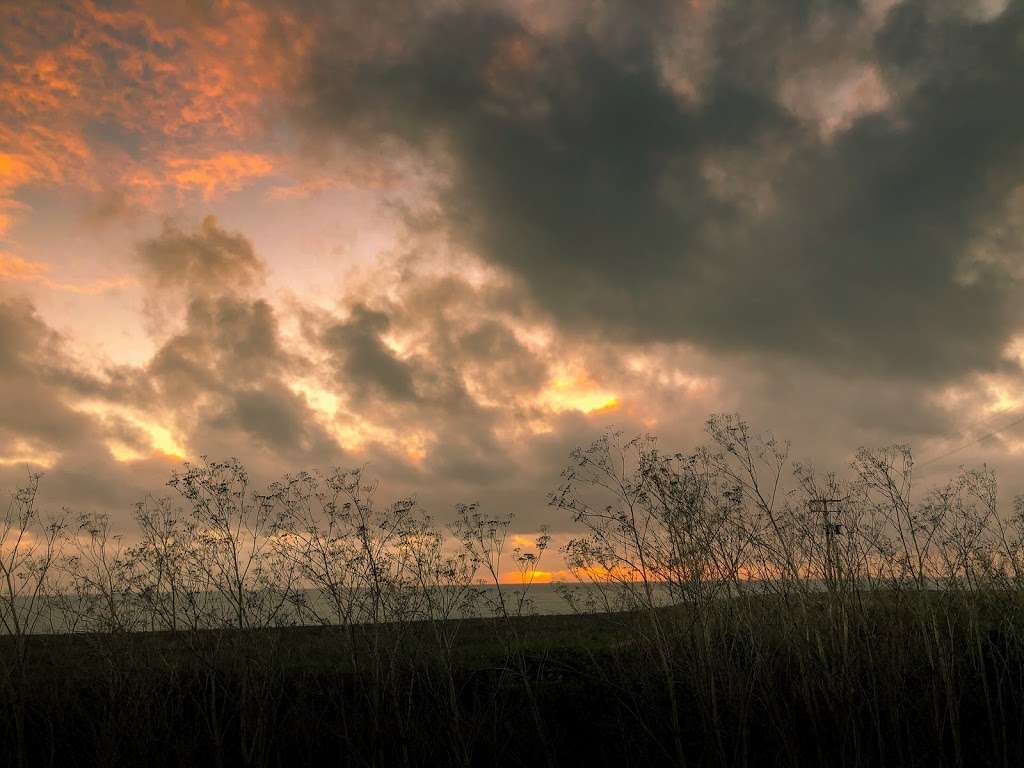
x=210, y=610
x=545, y=599
x=64, y=614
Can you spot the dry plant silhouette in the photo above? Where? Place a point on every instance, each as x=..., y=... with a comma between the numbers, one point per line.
x=731, y=607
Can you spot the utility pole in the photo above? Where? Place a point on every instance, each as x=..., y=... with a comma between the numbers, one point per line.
x=832, y=529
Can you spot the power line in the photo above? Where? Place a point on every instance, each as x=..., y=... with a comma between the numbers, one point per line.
x=993, y=433
x=992, y=416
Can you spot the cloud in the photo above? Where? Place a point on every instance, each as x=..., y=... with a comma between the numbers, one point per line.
x=363, y=361
x=628, y=219
x=17, y=269
x=8, y=210
x=44, y=427
x=444, y=380
x=218, y=382
x=145, y=96
x=224, y=374
x=625, y=205
x=226, y=342
x=449, y=384
x=207, y=261
x=211, y=176
x=32, y=410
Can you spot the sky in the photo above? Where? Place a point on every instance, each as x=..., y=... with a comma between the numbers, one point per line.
x=450, y=241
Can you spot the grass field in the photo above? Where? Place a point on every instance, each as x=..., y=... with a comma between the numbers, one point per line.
x=732, y=622
x=902, y=680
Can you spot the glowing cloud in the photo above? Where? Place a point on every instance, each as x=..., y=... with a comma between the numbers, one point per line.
x=577, y=393
x=21, y=452
x=355, y=433
x=170, y=79
x=17, y=269
x=225, y=172
x=162, y=441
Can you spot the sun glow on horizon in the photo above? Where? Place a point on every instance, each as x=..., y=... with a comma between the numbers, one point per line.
x=530, y=577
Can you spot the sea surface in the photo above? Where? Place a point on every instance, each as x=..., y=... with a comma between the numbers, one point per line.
x=65, y=614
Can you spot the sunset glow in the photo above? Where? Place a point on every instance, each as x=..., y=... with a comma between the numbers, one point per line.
x=512, y=383
x=236, y=228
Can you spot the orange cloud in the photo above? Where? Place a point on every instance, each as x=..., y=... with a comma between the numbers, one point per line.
x=225, y=172
x=14, y=170
x=181, y=81
x=154, y=67
x=6, y=206
x=17, y=269
x=308, y=188
x=366, y=177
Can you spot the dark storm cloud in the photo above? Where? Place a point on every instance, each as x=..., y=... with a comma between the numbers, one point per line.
x=451, y=331
x=363, y=362
x=218, y=383
x=624, y=206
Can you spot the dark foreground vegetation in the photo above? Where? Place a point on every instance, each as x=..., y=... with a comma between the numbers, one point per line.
x=907, y=681
x=740, y=610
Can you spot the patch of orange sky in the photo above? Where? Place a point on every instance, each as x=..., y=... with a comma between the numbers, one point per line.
x=541, y=576
x=189, y=82
x=534, y=577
